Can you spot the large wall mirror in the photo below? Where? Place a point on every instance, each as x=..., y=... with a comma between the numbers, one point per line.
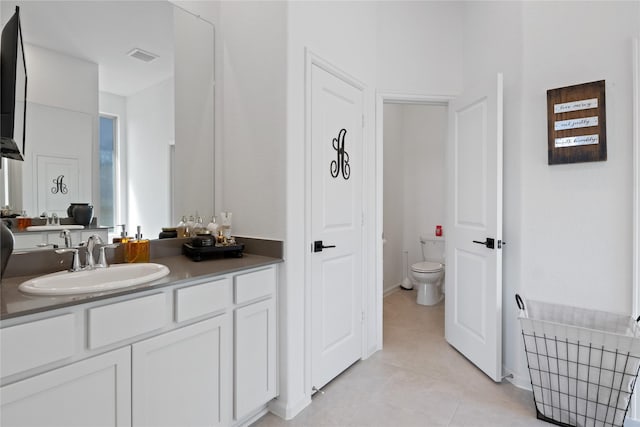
x=119, y=112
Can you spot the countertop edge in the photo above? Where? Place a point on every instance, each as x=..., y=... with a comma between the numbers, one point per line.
x=182, y=270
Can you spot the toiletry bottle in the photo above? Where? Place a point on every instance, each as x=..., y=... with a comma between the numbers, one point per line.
x=137, y=250
x=226, y=224
x=182, y=227
x=198, y=226
x=213, y=226
x=123, y=235
x=189, y=227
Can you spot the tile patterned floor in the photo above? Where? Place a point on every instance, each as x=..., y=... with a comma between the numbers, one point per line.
x=416, y=380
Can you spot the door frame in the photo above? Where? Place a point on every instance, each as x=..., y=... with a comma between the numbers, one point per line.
x=312, y=59
x=381, y=99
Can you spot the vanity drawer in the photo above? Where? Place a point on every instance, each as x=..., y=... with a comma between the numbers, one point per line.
x=198, y=300
x=112, y=323
x=253, y=285
x=37, y=343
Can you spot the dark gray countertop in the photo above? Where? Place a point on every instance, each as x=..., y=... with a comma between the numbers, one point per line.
x=14, y=303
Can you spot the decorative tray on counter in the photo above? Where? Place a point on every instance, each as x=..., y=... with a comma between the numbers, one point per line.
x=197, y=253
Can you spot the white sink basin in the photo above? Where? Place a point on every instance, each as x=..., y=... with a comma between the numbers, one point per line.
x=101, y=279
x=55, y=227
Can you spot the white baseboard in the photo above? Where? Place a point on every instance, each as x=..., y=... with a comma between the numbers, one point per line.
x=391, y=290
x=520, y=381
x=285, y=411
x=253, y=418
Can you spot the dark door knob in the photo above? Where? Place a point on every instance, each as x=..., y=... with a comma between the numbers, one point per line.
x=318, y=246
x=489, y=243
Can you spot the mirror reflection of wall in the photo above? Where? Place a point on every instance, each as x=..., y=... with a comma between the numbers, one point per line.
x=102, y=110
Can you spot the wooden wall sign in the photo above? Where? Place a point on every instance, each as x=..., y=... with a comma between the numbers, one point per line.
x=576, y=123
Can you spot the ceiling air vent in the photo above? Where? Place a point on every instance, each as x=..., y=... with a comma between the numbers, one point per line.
x=142, y=55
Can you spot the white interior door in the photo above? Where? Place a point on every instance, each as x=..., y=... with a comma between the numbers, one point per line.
x=336, y=223
x=473, y=303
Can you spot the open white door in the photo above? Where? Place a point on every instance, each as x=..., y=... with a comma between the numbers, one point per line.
x=473, y=303
x=336, y=224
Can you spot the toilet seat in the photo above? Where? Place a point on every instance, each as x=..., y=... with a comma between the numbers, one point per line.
x=427, y=267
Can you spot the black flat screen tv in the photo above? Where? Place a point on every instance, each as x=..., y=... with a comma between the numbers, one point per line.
x=13, y=90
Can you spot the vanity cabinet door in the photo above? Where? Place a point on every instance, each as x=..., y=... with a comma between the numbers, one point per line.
x=181, y=378
x=255, y=353
x=93, y=392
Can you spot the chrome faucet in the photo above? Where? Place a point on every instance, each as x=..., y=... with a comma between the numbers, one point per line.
x=90, y=245
x=91, y=242
x=66, y=235
x=52, y=219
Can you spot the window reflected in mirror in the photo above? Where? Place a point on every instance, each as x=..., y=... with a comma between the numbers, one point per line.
x=109, y=206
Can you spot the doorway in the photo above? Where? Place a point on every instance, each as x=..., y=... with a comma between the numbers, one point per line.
x=473, y=211
x=415, y=137
x=385, y=283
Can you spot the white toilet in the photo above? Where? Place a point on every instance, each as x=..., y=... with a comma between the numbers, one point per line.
x=428, y=275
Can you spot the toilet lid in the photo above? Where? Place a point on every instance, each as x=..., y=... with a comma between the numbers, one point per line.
x=426, y=267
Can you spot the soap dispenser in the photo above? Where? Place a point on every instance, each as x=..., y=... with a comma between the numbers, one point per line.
x=123, y=235
x=137, y=250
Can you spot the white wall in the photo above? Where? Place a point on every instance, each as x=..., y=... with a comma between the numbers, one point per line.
x=394, y=195
x=59, y=80
x=578, y=226
x=194, y=117
x=419, y=47
x=254, y=116
x=415, y=138
x=210, y=12
x=150, y=131
x=424, y=141
x=585, y=200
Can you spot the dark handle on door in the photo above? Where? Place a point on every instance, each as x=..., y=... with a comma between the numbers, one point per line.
x=318, y=246
x=489, y=243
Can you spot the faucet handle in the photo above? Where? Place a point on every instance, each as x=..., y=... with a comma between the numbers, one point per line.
x=66, y=235
x=76, y=258
x=93, y=240
x=102, y=260
x=91, y=243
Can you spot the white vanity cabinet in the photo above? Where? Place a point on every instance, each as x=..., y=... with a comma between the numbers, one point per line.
x=182, y=378
x=91, y=392
x=255, y=341
x=194, y=354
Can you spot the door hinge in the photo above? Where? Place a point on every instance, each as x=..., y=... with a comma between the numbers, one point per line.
x=363, y=120
x=362, y=316
x=362, y=220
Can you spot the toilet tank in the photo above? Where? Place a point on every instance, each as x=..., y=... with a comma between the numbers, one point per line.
x=433, y=249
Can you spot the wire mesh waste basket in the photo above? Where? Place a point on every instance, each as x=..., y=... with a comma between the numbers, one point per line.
x=583, y=363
